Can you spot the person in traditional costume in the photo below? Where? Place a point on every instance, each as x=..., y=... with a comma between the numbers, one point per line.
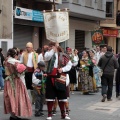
x=16, y=99
x=96, y=71
x=58, y=64
x=86, y=73
x=93, y=59
x=39, y=77
x=72, y=73
x=30, y=59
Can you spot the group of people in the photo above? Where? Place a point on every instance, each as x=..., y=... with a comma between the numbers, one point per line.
x=51, y=75
x=96, y=70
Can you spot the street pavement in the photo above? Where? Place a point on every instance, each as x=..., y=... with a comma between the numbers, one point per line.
x=82, y=107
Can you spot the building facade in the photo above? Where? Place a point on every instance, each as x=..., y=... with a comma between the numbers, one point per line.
x=6, y=22
x=84, y=18
x=29, y=24
x=21, y=27
x=111, y=25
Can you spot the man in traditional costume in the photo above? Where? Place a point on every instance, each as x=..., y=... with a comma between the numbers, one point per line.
x=55, y=57
x=30, y=59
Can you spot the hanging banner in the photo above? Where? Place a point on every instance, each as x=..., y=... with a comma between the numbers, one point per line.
x=56, y=26
x=97, y=37
x=28, y=14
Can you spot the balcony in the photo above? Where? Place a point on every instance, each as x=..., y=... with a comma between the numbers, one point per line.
x=86, y=9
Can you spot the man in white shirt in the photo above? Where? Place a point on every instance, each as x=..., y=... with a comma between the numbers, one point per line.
x=29, y=58
x=53, y=70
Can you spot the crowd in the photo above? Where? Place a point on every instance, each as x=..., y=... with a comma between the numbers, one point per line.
x=51, y=75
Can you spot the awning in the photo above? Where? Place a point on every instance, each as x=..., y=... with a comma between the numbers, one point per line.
x=108, y=25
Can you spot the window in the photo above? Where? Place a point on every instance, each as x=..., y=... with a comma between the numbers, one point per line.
x=88, y=3
x=100, y=2
x=109, y=9
x=79, y=40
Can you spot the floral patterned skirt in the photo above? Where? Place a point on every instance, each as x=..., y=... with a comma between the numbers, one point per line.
x=86, y=81
x=17, y=101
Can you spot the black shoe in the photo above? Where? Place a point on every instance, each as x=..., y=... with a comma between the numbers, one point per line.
x=109, y=99
x=104, y=98
x=85, y=93
x=54, y=112
x=117, y=95
x=12, y=118
x=38, y=114
x=41, y=114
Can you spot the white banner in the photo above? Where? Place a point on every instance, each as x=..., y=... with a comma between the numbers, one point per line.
x=56, y=26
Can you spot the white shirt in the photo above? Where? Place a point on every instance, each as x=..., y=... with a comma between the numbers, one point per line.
x=48, y=55
x=75, y=60
x=35, y=80
x=29, y=62
x=97, y=56
x=40, y=57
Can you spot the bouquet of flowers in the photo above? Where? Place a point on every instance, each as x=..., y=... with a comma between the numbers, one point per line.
x=20, y=68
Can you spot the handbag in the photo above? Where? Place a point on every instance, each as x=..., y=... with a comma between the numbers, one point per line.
x=60, y=83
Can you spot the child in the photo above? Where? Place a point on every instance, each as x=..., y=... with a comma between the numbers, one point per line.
x=38, y=86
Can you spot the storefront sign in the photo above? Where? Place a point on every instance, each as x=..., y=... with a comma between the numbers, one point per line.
x=56, y=1
x=27, y=14
x=57, y=26
x=97, y=37
x=110, y=32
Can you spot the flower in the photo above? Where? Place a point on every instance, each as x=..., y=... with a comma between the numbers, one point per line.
x=20, y=68
x=94, y=61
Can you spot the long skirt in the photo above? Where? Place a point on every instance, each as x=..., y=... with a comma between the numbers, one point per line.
x=86, y=81
x=72, y=76
x=17, y=101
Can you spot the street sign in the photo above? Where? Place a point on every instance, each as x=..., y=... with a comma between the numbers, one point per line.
x=28, y=14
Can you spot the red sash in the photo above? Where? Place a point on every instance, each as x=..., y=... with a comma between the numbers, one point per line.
x=53, y=73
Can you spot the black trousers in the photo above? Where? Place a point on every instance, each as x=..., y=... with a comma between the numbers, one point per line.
x=52, y=92
x=28, y=80
x=107, y=85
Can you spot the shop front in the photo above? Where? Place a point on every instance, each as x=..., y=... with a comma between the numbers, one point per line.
x=28, y=27
x=110, y=37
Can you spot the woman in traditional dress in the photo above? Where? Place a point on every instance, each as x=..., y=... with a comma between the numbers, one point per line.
x=96, y=71
x=94, y=63
x=16, y=99
x=72, y=73
x=86, y=73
